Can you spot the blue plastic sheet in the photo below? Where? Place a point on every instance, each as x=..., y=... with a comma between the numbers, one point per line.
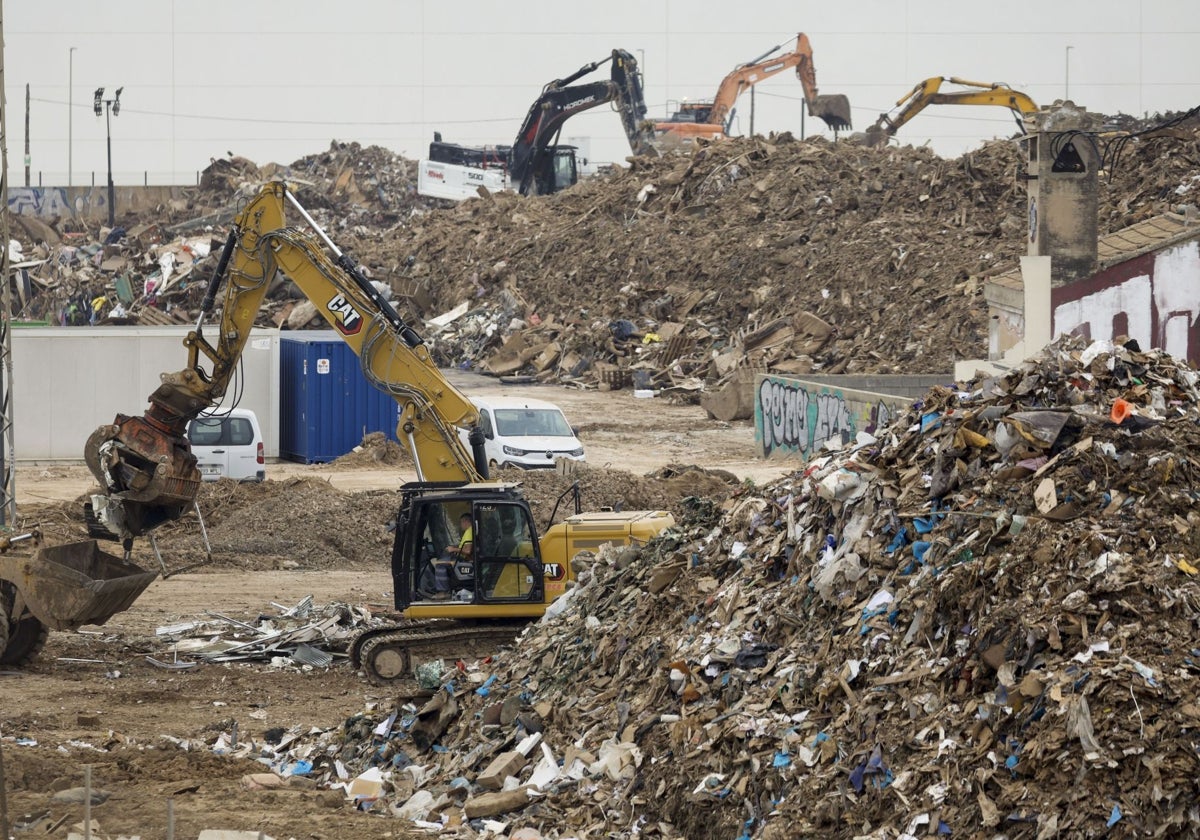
x=879, y=776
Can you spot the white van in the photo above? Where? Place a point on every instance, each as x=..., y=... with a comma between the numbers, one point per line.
x=228, y=443
x=526, y=433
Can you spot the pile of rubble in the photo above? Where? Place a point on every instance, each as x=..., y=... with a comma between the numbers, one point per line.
x=295, y=523
x=982, y=619
x=307, y=523
x=669, y=273
x=376, y=450
x=773, y=254
x=152, y=267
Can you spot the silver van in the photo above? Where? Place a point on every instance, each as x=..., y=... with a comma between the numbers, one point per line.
x=228, y=443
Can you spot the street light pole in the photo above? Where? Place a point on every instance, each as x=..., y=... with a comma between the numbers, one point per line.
x=112, y=108
x=1067, y=91
x=70, y=118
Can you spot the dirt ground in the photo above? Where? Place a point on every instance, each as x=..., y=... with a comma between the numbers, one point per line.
x=93, y=699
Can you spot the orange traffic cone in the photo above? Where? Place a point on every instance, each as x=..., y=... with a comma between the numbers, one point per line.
x=1121, y=410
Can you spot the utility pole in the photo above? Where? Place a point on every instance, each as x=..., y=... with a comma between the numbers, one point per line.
x=8, y=472
x=28, y=160
x=1067, y=86
x=112, y=108
x=70, y=119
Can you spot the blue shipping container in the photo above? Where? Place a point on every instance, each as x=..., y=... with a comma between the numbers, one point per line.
x=326, y=405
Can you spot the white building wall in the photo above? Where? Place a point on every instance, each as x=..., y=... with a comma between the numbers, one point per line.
x=66, y=381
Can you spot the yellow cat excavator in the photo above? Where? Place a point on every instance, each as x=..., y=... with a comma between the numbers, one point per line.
x=929, y=92
x=448, y=600
x=712, y=119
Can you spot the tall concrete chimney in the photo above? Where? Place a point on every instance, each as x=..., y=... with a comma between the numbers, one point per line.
x=1063, y=185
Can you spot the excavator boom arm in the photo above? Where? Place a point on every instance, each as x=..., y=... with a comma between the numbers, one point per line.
x=929, y=92
x=544, y=121
x=833, y=109
x=561, y=100
x=631, y=103
x=746, y=76
x=144, y=463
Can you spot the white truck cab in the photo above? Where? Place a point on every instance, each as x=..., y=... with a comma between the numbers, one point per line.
x=228, y=443
x=526, y=433
x=448, y=180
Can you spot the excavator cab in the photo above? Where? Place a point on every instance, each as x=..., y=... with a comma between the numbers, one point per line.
x=692, y=112
x=504, y=576
x=556, y=171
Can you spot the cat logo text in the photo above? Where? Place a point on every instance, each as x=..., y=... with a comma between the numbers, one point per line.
x=346, y=318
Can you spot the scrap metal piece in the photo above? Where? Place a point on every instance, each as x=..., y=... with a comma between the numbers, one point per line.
x=172, y=666
x=309, y=655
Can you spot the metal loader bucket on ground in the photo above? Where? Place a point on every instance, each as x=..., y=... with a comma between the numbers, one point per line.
x=66, y=586
x=834, y=108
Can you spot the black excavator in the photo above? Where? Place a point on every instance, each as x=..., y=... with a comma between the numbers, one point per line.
x=537, y=164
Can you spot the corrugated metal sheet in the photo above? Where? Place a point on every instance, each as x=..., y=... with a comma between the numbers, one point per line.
x=326, y=404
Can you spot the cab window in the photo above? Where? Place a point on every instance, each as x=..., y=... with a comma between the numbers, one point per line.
x=241, y=433
x=508, y=568
x=535, y=422
x=564, y=171
x=205, y=431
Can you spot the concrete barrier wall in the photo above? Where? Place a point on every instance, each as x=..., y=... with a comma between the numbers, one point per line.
x=909, y=386
x=89, y=203
x=69, y=380
x=794, y=417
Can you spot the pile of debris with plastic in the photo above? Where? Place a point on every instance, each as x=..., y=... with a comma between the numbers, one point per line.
x=984, y=618
x=152, y=266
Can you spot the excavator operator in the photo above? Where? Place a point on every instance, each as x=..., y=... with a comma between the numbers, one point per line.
x=450, y=570
x=466, y=543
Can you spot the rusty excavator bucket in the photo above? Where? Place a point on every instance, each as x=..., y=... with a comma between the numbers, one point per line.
x=64, y=586
x=148, y=475
x=833, y=108
x=67, y=586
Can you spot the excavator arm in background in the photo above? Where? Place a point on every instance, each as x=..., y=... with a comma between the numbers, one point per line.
x=929, y=93
x=714, y=119
x=534, y=151
x=144, y=464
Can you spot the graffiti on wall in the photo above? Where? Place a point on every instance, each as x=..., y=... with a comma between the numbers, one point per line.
x=1154, y=299
x=793, y=419
x=48, y=202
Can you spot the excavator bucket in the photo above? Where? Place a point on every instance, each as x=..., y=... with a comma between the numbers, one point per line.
x=876, y=137
x=67, y=586
x=834, y=109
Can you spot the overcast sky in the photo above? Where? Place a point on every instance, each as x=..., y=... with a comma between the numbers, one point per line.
x=275, y=81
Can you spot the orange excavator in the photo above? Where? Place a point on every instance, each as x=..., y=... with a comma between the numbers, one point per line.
x=712, y=119
x=929, y=92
